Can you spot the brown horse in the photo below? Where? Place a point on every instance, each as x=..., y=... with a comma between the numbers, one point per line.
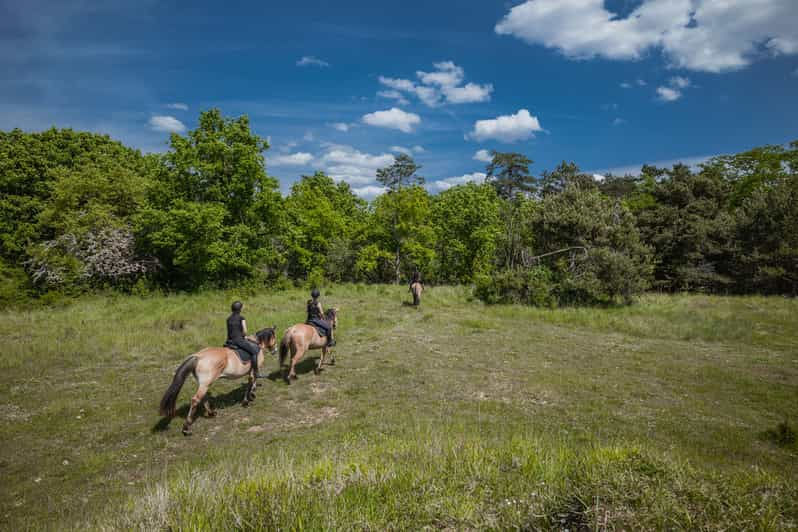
x=302, y=337
x=210, y=364
x=416, y=289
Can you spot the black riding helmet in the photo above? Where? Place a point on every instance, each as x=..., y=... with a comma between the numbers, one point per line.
x=315, y=293
x=236, y=306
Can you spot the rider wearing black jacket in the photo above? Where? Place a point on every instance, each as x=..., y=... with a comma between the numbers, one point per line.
x=236, y=336
x=316, y=317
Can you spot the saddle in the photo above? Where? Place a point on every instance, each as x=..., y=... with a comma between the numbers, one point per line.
x=320, y=326
x=242, y=354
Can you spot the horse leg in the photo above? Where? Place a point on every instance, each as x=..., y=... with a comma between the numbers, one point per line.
x=195, y=401
x=210, y=412
x=294, y=360
x=317, y=369
x=253, y=383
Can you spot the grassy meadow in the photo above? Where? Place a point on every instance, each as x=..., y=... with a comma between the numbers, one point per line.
x=453, y=415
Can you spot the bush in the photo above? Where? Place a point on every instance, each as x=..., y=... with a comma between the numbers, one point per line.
x=530, y=287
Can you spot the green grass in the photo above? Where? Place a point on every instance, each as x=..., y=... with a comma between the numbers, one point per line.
x=453, y=415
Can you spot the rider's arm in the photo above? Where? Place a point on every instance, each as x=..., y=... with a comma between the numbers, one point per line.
x=321, y=310
x=244, y=327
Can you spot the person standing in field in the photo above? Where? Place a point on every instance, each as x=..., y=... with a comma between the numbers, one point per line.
x=237, y=333
x=316, y=316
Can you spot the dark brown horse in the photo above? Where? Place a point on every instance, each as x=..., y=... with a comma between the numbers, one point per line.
x=300, y=338
x=207, y=366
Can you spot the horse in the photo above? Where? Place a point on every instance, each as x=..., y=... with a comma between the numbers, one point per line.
x=416, y=288
x=300, y=338
x=214, y=363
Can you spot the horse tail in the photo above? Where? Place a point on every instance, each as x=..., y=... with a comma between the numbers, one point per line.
x=284, y=344
x=169, y=399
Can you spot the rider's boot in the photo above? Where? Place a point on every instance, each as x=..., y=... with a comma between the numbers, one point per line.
x=255, y=367
x=330, y=340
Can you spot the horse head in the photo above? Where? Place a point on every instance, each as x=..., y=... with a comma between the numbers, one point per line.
x=267, y=339
x=332, y=316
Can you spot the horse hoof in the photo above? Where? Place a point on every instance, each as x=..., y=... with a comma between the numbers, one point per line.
x=186, y=431
x=316, y=371
x=245, y=403
x=331, y=362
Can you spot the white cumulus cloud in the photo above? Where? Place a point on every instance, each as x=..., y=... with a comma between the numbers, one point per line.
x=701, y=35
x=449, y=182
x=668, y=94
x=309, y=60
x=345, y=163
x=341, y=126
x=291, y=159
x=507, y=128
x=483, y=155
x=393, y=118
x=442, y=85
x=368, y=191
x=673, y=92
x=168, y=124
x=178, y=105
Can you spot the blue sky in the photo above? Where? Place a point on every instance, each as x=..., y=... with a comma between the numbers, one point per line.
x=342, y=86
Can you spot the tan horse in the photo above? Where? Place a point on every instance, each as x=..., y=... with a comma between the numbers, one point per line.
x=416, y=289
x=300, y=338
x=210, y=364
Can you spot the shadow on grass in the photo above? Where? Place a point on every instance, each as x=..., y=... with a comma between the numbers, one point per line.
x=305, y=366
x=218, y=402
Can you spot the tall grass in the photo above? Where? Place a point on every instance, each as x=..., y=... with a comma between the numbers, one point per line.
x=451, y=415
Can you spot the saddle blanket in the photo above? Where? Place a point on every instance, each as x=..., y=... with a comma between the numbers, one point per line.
x=242, y=354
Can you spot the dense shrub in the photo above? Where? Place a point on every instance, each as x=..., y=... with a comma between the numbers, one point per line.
x=534, y=286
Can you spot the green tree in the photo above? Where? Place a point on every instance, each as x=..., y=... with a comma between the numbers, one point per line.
x=612, y=263
x=509, y=174
x=690, y=228
x=468, y=224
x=214, y=215
x=325, y=219
x=400, y=174
x=766, y=231
x=565, y=175
x=401, y=225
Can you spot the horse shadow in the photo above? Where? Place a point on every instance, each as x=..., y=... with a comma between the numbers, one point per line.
x=219, y=402
x=305, y=366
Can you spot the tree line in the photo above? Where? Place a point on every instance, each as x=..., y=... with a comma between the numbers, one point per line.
x=80, y=212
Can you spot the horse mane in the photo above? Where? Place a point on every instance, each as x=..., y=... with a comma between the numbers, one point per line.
x=264, y=335
x=329, y=314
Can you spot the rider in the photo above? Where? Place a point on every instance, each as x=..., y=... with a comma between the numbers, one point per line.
x=416, y=278
x=236, y=336
x=316, y=317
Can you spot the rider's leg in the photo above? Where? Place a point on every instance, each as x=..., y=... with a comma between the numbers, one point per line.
x=330, y=339
x=254, y=350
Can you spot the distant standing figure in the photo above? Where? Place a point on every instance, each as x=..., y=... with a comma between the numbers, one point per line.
x=236, y=335
x=316, y=317
x=416, y=287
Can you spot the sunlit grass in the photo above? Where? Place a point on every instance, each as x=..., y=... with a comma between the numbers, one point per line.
x=649, y=416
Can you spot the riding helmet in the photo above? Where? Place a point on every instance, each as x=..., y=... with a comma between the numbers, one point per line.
x=315, y=293
x=237, y=306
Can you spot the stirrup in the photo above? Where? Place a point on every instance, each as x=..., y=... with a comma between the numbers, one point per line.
x=330, y=343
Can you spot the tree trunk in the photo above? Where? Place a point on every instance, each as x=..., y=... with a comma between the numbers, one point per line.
x=397, y=263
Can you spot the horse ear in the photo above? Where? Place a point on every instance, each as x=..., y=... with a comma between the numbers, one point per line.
x=274, y=327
